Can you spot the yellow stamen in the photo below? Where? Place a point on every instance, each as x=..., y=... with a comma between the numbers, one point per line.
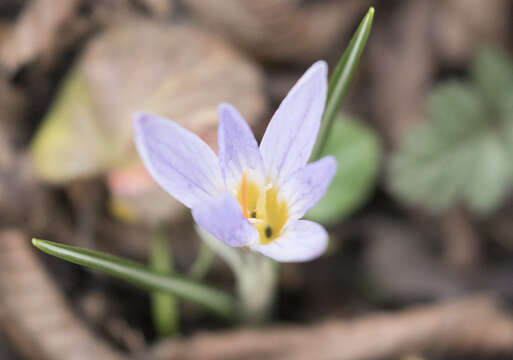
x=263, y=208
x=244, y=195
x=261, y=202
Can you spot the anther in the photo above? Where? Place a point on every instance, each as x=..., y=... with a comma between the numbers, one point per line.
x=253, y=214
x=268, y=232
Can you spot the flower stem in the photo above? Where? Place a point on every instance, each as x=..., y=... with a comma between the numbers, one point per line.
x=256, y=288
x=164, y=306
x=256, y=277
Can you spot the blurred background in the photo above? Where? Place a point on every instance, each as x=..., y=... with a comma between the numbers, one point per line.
x=420, y=263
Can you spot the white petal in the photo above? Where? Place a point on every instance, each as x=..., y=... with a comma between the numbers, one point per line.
x=183, y=164
x=238, y=149
x=292, y=132
x=222, y=217
x=304, y=188
x=303, y=240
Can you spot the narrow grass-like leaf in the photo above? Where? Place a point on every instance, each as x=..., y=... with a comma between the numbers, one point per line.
x=137, y=274
x=340, y=79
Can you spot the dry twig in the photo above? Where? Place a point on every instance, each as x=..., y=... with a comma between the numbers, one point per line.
x=470, y=326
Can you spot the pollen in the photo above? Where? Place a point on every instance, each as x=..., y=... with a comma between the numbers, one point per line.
x=263, y=208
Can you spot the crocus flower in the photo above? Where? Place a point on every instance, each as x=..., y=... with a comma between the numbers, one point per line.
x=249, y=196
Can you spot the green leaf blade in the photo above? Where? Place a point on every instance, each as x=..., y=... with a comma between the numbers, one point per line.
x=341, y=78
x=139, y=275
x=358, y=153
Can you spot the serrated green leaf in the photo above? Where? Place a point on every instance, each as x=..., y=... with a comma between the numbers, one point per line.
x=357, y=151
x=493, y=74
x=508, y=132
x=427, y=171
x=456, y=108
x=137, y=274
x=340, y=79
x=491, y=175
x=461, y=154
x=475, y=170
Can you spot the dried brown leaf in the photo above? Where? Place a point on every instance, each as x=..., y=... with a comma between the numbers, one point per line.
x=176, y=71
x=277, y=29
x=39, y=30
x=34, y=313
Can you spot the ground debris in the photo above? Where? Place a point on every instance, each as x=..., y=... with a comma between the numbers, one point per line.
x=33, y=311
x=474, y=325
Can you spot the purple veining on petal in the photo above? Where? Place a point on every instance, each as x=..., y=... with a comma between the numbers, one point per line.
x=238, y=149
x=303, y=240
x=190, y=171
x=306, y=186
x=183, y=164
x=223, y=218
x=292, y=132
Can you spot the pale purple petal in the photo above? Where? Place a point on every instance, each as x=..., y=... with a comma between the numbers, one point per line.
x=222, y=217
x=238, y=149
x=303, y=240
x=291, y=134
x=179, y=161
x=305, y=187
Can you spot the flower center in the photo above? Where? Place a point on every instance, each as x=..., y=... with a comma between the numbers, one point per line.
x=262, y=208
